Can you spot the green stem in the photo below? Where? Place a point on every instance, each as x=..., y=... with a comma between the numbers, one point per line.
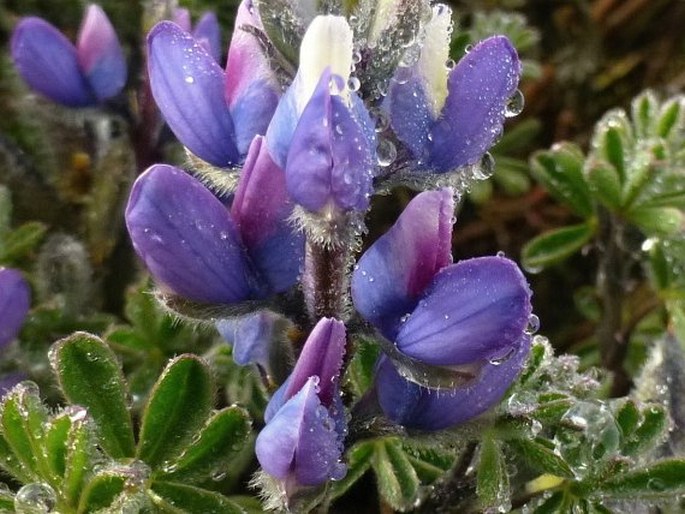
x=611, y=286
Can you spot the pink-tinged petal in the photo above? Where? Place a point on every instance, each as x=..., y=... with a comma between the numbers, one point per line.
x=100, y=55
x=15, y=301
x=208, y=33
x=472, y=310
x=182, y=18
x=472, y=118
x=261, y=208
x=301, y=442
x=322, y=356
x=252, y=89
x=413, y=406
x=187, y=239
x=394, y=272
x=48, y=63
x=188, y=87
x=329, y=160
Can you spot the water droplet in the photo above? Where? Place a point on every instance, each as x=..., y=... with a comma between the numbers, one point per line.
x=486, y=168
x=515, y=104
x=36, y=498
x=449, y=64
x=386, y=152
x=533, y=324
x=656, y=484
x=189, y=79
x=501, y=359
x=219, y=474
x=354, y=84
x=468, y=48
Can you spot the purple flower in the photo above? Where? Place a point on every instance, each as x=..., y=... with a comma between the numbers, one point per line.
x=471, y=315
x=207, y=31
x=197, y=248
x=214, y=114
x=15, y=300
x=76, y=76
x=451, y=120
x=302, y=441
x=321, y=133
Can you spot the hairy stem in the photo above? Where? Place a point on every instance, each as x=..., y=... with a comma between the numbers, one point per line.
x=611, y=280
x=325, y=280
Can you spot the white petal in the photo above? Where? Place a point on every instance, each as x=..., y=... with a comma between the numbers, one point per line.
x=327, y=43
x=434, y=54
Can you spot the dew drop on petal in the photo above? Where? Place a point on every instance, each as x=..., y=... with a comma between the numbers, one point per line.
x=533, y=325
x=386, y=152
x=515, y=104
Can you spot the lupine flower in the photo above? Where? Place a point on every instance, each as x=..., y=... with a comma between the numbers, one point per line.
x=214, y=114
x=302, y=441
x=206, y=32
x=472, y=314
x=15, y=300
x=321, y=133
x=448, y=120
x=196, y=247
x=259, y=338
x=75, y=76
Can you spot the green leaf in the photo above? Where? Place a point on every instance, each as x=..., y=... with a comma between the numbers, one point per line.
x=492, y=481
x=221, y=438
x=556, y=245
x=358, y=462
x=179, y=405
x=56, y=433
x=11, y=464
x=512, y=175
x=171, y=497
x=658, y=220
x=604, y=183
x=80, y=455
x=560, y=170
x=397, y=480
x=362, y=366
x=21, y=241
x=613, y=141
x=23, y=417
x=552, y=505
x=430, y=463
x=101, y=491
x=662, y=479
x=540, y=457
x=643, y=109
x=670, y=116
x=650, y=431
x=6, y=501
x=89, y=375
x=628, y=418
